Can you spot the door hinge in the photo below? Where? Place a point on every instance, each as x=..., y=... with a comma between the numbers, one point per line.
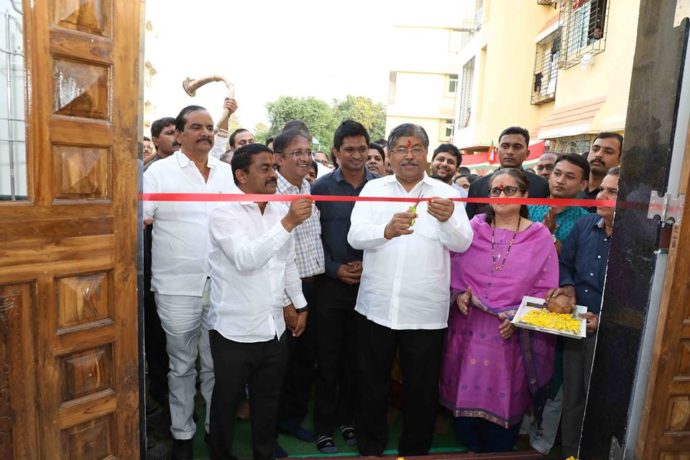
x=669, y=209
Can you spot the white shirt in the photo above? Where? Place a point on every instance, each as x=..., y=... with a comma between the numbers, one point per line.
x=405, y=281
x=179, y=263
x=252, y=268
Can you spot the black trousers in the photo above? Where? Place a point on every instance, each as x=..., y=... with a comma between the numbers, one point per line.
x=262, y=366
x=336, y=371
x=154, y=337
x=299, y=375
x=577, y=368
x=420, y=361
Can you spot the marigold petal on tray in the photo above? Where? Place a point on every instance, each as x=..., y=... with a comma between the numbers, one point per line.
x=549, y=320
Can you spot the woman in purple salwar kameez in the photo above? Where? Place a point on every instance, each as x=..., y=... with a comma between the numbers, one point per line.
x=491, y=372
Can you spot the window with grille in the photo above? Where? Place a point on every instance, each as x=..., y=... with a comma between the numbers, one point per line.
x=465, y=106
x=13, y=168
x=546, y=69
x=583, y=29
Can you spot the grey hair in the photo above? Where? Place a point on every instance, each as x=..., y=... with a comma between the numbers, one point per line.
x=408, y=129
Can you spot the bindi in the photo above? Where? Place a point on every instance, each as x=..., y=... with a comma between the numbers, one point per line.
x=409, y=143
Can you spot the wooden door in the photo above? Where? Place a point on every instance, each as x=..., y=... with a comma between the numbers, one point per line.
x=68, y=303
x=665, y=426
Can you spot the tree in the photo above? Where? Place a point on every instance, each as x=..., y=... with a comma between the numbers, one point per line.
x=317, y=114
x=362, y=109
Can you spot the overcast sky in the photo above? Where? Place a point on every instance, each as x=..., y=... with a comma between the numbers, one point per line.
x=272, y=48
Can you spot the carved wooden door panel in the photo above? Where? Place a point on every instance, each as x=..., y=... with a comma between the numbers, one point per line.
x=665, y=426
x=68, y=303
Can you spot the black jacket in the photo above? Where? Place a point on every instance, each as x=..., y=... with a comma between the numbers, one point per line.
x=538, y=188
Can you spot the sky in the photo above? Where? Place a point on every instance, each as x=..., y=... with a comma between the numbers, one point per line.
x=272, y=48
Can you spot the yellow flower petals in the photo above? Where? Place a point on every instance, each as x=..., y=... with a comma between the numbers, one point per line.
x=548, y=320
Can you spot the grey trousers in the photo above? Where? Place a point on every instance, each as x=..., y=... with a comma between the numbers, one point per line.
x=184, y=321
x=577, y=368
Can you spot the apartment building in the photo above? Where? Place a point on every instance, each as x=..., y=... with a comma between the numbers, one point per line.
x=561, y=69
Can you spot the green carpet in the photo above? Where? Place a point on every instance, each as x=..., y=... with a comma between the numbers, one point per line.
x=444, y=439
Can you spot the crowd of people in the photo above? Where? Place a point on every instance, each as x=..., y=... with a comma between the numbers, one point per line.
x=275, y=301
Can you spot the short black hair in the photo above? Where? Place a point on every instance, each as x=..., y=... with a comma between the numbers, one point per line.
x=284, y=139
x=315, y=167
x=448, y=148
x=408, y=129
x=181, y=118
x=234, y=134
x=382, y=142
x=515, y=130
x=147, y=138
x=378, y=148
x=349, y=128
x=464, y=170
x=243, y=157
x=159, y=125
x=609, y=135
x=576, y=159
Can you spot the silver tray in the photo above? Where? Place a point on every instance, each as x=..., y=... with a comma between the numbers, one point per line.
x=534, y=303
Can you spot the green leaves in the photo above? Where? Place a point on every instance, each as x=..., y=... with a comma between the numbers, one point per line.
x=323, y=119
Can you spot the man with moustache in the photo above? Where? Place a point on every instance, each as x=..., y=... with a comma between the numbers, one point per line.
x=403, y=296
x=604, y=154
x=513, y=150
x=335, y=318
x=582, y=266
x=569, y=177
x=180, y=272
x=254, y=280
x=293, y=157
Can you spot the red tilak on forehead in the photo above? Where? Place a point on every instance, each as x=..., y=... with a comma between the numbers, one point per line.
x=409, y=143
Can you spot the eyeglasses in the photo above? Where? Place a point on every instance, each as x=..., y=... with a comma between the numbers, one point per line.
x=299, y=153
x=416, y=150
x=508, y=190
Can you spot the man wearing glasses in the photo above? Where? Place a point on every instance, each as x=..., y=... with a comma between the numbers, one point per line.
x=293, y=155
x=404, y=293
x=512, y=152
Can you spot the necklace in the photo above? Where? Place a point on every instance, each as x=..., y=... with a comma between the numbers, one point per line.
x=495, y=257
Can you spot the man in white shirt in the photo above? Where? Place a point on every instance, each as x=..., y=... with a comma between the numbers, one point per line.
x=294, y=157
x=404, y=292
x=255, y=290
x=180, y=271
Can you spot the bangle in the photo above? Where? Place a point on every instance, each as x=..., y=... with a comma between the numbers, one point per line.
x=555, y=240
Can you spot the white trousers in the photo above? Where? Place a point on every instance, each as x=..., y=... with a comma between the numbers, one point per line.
x=184, y=321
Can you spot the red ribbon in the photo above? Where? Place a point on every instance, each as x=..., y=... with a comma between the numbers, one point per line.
x=386, y=199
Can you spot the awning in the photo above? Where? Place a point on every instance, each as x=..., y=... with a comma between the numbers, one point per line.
x=571, y=120
x=536, y=149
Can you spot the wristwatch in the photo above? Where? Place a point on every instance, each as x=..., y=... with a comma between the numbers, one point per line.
x=302, y=310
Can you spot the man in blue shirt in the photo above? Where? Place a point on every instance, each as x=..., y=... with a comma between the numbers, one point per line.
x=336, y=291
x=583, y=261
